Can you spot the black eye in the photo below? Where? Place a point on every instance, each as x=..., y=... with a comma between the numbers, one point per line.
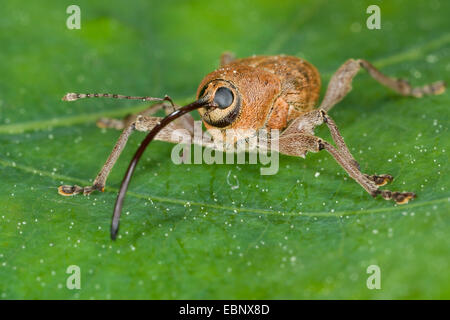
x=223, y=97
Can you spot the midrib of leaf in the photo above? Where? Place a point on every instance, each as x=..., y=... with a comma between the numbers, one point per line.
x=411, y=54
x=183, y=202
x=414, y=53
x=408, y=55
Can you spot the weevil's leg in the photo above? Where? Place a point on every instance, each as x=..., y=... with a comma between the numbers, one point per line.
x=338, y=139
x=402, y=86
x=226, y=58
x=341, y=83
x=299, y=138
x=298, y=144
x=369, y=183
x=307, y=122
x=142, y=123
x=100, y=180
x=120, y=124
x=380, y=180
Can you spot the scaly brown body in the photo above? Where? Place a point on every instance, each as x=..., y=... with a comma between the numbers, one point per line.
x=261, y=92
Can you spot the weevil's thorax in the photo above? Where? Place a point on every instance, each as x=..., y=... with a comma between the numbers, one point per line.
x=267, y=93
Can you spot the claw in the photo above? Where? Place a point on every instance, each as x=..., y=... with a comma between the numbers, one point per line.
x=67, y=191
x=403, y=197
x=398, y=197
x=438, y=87
x=382, y=179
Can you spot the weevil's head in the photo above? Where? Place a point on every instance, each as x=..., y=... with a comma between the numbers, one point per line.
x=240, y=96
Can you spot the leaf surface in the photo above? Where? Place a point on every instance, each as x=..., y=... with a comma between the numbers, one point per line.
x=188, y=232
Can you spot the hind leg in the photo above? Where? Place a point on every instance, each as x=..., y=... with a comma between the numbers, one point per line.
x=341, y=83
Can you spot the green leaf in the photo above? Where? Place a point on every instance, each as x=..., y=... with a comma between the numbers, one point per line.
x=307, y=232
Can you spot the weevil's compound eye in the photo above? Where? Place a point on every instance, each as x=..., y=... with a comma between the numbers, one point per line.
x=223, y=97
x=226, y=100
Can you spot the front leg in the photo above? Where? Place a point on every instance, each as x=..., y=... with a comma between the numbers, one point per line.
x=141, y=123
x=100, y=180
x=298, y=139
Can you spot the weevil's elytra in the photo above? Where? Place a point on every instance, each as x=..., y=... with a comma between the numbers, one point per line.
x=260, y=92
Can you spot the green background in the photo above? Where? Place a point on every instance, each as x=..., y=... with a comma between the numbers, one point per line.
x=187, y=233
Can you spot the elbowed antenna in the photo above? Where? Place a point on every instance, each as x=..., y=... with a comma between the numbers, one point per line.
x=75, y=96
x=132, y=166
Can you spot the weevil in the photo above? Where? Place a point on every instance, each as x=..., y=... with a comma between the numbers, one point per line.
x=260, y=92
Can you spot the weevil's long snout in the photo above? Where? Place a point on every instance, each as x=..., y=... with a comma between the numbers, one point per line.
x=200, y=103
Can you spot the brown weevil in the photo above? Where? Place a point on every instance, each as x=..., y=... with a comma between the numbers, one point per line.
x=261, y=92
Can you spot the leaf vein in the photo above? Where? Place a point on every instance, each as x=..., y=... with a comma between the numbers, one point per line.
x=10, y=164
